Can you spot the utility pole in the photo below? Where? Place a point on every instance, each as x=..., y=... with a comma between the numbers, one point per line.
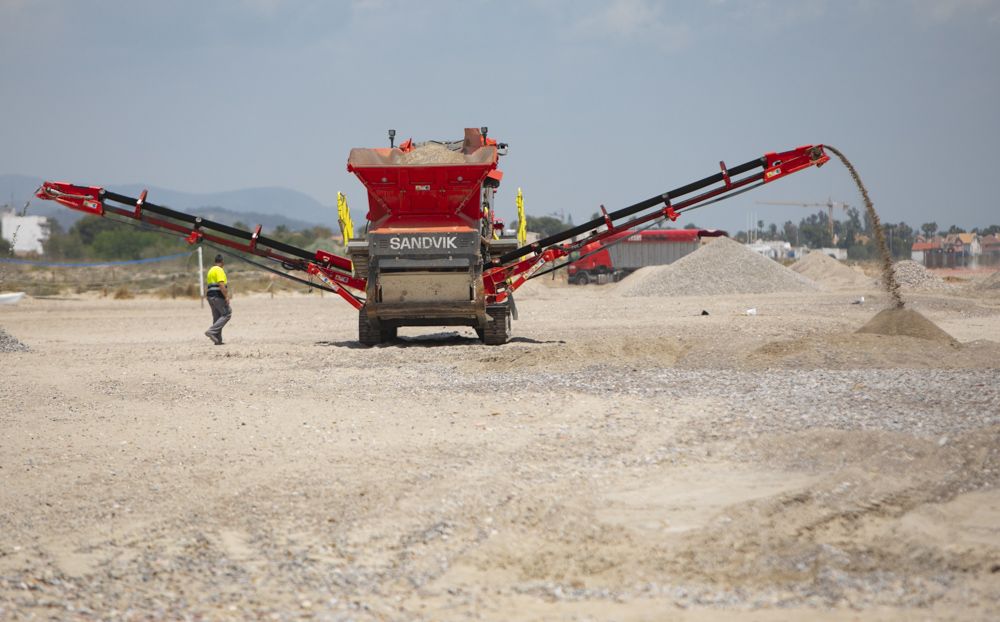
x=201, y=277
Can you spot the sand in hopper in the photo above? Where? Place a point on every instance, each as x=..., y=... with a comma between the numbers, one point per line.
x=905, y=323
x=431, y=153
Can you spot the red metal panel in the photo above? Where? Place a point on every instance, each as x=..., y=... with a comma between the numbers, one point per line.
x=408, y=191
x=415, y=195
x=82, y=198
x=785, y=163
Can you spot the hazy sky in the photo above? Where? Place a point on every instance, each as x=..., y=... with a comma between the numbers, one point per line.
x=601, y=102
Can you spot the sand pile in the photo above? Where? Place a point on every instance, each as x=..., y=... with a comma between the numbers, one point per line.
x=905, y=323
x=830, y=272
x=544, y=287
x=893, y=339
x=718, y=268
x=432, y=153
x=914, y=276
x=9, y=344
x=632, y=350
x=987, y=286
x=990, y=283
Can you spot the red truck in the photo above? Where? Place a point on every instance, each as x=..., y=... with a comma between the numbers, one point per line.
x=618, y=255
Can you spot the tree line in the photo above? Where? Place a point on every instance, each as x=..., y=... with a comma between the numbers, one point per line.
x=854, y=234
x=97, y=238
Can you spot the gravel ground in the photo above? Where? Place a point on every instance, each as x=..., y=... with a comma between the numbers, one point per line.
x=621, y=459
x=10, y=344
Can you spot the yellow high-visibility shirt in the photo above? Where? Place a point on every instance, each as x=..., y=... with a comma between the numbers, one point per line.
x=215, y=275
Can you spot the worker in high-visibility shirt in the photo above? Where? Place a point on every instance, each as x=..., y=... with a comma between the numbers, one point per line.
x=218, y=299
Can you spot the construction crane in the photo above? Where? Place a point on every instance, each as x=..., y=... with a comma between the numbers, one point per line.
x=829, y=205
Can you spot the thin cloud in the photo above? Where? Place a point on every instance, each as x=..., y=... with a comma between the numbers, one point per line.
x=770, y=15
x=265, y=7
x=940, y=11
x=643, y=19
x=369, y=5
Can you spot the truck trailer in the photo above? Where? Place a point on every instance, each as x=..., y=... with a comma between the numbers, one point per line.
x=619, y=255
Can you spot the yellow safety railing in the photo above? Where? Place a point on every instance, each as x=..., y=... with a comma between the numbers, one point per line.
x=344, y=218
x=522, y=226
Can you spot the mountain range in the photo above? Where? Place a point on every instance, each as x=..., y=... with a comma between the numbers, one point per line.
x=269, y=207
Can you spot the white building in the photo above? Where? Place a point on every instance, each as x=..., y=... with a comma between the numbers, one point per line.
x=24, y=233
x=774, y=249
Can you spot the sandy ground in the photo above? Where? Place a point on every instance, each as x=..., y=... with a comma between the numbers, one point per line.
x=621, y=459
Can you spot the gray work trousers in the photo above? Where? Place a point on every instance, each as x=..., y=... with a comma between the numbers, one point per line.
x=221, y=314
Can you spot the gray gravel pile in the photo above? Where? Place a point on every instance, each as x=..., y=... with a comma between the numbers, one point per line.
x=9, y=344
x=913, y=275
x=718, y=268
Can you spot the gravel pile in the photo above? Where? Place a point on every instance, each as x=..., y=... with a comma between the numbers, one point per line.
x=990, y=283
x=718, y=268
x=432, y=153
x=9, y=344
x=913, y=275
x=828, y=271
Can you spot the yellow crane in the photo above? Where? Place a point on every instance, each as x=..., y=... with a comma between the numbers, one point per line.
x=829, y=205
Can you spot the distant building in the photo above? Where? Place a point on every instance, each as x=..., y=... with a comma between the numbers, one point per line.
x=968, y=244
x=764, y=249
x=775, y=249
x=24, y=233
x=990, y=248
x=798, y=252
x=955, y=250
x=922, y=248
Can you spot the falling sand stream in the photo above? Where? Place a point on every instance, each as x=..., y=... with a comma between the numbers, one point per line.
x=888, y=276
